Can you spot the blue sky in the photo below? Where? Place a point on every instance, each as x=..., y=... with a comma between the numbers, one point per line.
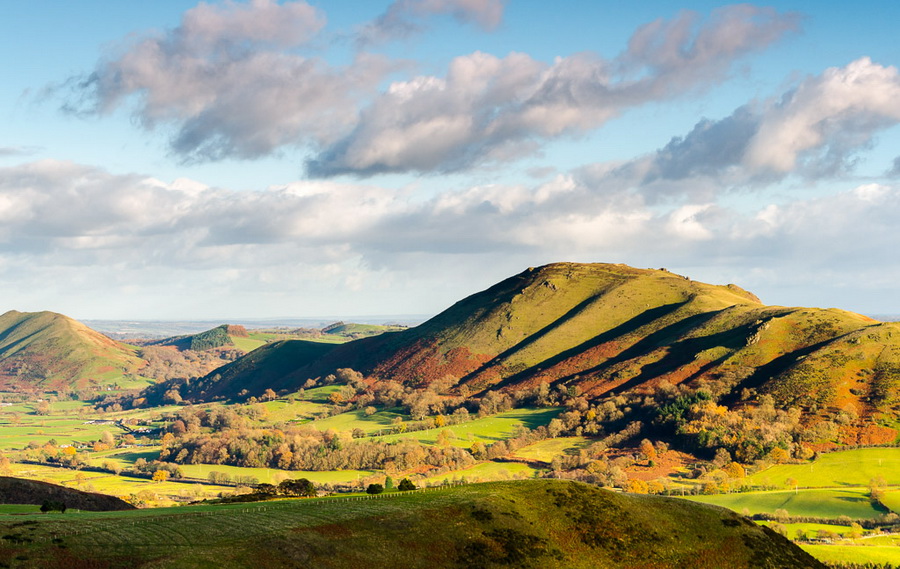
x=172, y=159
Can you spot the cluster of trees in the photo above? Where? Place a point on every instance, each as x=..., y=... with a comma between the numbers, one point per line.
x=308, y=449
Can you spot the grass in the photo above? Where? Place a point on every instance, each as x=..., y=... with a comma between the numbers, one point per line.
x=485, y=471
x=486, y=429
x=821, y=503
x=544, y=523
x=545, y=450
x=854, y=553
x=892, y=500
x=246, y=344
x=274, y=475
x=846, y=468
x=358, y=419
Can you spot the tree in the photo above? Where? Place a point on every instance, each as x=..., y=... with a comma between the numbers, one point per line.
x=160, y=475
x=388, y=483
x=405, y=485
x=374, y=489
x=299, y=487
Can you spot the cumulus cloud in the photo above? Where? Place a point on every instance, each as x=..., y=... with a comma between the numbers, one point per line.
x=404, y=17
x=230, y=80
x=490, y=109
x=814, y=130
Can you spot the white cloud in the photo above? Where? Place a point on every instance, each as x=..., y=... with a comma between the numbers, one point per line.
x=231, y=81
x=129, y=236
x=490, y=109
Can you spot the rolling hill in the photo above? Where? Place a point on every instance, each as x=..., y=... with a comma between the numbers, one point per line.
x=46, y=351
x=608, y=329
x=523, y=524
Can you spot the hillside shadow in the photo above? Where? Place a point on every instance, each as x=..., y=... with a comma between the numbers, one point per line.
x=772, y=369
x=684, y=352
x=653, y=341
x=625, y=328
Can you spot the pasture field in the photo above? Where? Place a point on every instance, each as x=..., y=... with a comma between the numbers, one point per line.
x=485, y=471
x=357, y=419
x=247, y=344
x=811, y=529
x=845, y=468
x=486, y=429
x=275, y=475
x=854, y=553
x=820, y=503
x=121, y=486
x=545, y=450
x=892, y=500
x=282, y=410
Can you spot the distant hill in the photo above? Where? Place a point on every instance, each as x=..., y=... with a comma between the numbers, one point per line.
x=49, y=351
x=526, y=524
x=21, y=491
x=218, y=337
x=606, y=329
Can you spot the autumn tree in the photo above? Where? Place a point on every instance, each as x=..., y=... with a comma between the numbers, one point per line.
x=160, y=475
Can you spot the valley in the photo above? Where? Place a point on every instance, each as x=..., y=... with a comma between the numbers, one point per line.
x=637, y=380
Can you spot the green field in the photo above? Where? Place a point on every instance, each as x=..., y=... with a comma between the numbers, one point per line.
x=820, y=503
x=854, y=553
x=892, y=500
x=484, y=472
x=346, y=422
x=545, y=450
x=274, y=475
x=247, y=344
x=486, y=429
x=846, y=468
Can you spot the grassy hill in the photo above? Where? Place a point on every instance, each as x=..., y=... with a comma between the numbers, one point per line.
x=609, y=329
x=48, y=351
x=523, y=524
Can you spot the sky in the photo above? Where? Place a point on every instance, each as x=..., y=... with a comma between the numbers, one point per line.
x=262, y=159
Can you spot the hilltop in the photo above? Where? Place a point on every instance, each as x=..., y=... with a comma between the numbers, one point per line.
x=523, y=524
x=47, y=351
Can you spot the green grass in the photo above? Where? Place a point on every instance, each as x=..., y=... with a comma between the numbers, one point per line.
x=357, y=419
x=892, y=500
x=811, y=529
x=821, y=503
x=845, y=468
x=486, y=429
x=545, y=450
x=541, y=522
x=274, y=475
x=854, y=553
x=246, y=344
x=485, y=471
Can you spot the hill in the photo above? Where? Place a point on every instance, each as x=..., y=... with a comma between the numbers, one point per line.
x=522, y=524
x=21, y=491
x=47, y=351
x=610, y=329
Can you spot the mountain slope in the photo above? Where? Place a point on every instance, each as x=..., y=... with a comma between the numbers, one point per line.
x=49, y=351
